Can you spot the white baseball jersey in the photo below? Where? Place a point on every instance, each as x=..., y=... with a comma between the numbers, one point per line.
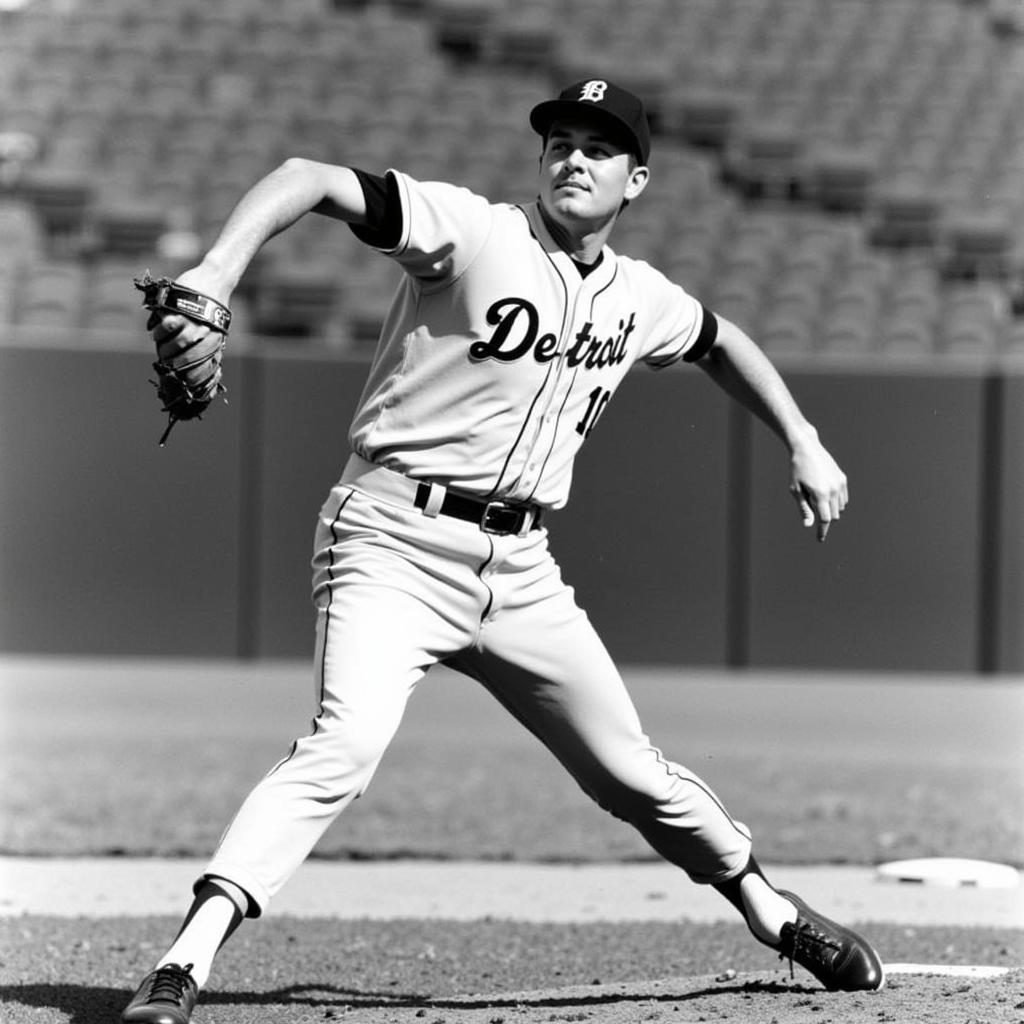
x=498, y=356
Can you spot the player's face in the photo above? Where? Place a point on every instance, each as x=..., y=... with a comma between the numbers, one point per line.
x=585, y=176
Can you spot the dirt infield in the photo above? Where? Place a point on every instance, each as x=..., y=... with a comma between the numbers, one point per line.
x=150, y=758
x=82, y=971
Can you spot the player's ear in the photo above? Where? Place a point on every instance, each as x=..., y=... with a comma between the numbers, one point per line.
x=636, y=182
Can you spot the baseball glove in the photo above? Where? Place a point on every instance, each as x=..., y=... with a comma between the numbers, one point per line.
x=190, y=330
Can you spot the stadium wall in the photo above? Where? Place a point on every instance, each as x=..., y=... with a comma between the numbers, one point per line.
x=681, y=539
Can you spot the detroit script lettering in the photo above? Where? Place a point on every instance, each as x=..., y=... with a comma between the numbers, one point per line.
x=517, y=333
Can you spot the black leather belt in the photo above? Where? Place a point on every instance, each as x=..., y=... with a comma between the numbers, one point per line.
x=500, y=517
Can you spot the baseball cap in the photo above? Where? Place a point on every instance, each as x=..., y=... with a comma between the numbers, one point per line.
x=621, y=111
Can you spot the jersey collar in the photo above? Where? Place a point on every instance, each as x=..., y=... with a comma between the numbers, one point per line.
x=565, y=264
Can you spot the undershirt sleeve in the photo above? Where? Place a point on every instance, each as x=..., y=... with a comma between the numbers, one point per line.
x=705, y=339
x=383, y=227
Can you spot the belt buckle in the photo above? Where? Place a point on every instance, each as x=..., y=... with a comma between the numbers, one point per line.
x=494, y=511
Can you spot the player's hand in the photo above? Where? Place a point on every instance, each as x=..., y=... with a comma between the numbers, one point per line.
x=817, y=484
x=175, y=335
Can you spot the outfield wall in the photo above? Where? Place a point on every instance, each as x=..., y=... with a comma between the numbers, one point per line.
x=681, y=538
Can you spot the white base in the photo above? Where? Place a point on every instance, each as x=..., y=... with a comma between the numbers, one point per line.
x=950, y=872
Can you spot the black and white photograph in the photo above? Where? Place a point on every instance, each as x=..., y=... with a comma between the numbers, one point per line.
x=513, y=511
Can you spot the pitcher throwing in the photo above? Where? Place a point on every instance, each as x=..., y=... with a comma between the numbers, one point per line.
x=513, y=327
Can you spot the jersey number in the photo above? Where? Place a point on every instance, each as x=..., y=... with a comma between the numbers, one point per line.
x=598, y=400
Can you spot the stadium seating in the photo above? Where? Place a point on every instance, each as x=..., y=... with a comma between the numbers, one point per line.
x=51, y=296
x=803, y=145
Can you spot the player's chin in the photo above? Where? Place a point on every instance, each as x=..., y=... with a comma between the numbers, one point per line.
x=576, y=196
x=571, y=206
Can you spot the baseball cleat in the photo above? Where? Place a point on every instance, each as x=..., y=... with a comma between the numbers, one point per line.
x=838, y=957
x=166, y=996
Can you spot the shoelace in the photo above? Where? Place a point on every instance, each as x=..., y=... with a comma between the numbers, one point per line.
x=811, y=943
x=169, y=984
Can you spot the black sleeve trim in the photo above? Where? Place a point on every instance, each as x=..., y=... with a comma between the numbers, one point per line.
x=708, y=334
x=383, y=227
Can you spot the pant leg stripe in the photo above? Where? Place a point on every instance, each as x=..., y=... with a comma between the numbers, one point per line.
x=321, y=654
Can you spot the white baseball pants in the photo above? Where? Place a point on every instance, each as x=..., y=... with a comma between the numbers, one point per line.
x=398, y=591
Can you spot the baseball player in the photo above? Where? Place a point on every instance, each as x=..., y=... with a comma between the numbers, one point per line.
x=511, y=330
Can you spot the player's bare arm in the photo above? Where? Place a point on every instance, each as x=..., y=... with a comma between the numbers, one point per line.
x=740, y=368
x=274, y=203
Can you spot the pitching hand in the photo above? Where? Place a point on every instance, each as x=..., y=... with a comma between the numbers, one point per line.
x=818, y=485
